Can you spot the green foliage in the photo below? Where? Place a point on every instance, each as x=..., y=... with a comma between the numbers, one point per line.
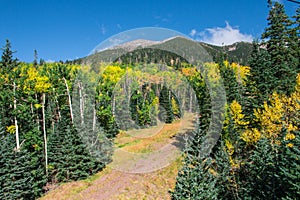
x=69, y=158
x=230, y=82
x=165, y=102
x=8, y=63
x=279, y=45
x=16, y=181
x=152, y=55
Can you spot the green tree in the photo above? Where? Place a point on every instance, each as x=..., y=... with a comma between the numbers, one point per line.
x=69, y=158
x=165, y=102
x=15, y=171
x=8, y=63
x=259, y=84
x=283, y=63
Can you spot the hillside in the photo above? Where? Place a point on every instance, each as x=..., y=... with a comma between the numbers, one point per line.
x=238, y=52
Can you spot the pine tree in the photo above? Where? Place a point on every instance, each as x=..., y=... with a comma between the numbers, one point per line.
x=15, y=172
x=259, y=83
x=195, y=180
x=165, y=103
x=230, y=82
x=69, y=158
x=283, y=65
x=7, y=61
x=294, y=37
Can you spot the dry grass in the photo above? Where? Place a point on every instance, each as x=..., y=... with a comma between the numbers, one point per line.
x=145, y=145
x=152, y=185
x=151, y=139
x=68, y=190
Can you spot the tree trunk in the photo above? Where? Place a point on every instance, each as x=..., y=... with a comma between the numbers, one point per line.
x=16, y=121
x=94, y=118
x=58, y=108
x=81, y=102
x=69, y=99
x=37, y=114
x=45, y=134
x=113, y=105
x=191, y=101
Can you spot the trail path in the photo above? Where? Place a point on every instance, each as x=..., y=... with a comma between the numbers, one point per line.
x=145, y=165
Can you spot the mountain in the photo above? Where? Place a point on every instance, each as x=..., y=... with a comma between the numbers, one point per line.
x=238, y=52
x=135, y=51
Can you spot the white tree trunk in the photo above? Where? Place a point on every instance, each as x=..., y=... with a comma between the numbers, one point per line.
x=69, y=99
x=37, y=114
x=45, y=134
x=81, y=102
x=94, y=118
x=113, y=105
x=16, y=121
x=191, y=101
x=58, y=109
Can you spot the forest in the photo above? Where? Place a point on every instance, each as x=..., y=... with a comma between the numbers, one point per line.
x=59, y=121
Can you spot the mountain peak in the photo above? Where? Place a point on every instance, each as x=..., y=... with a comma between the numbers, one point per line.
x=134, y=44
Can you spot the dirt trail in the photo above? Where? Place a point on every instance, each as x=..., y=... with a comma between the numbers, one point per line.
x=142, y=167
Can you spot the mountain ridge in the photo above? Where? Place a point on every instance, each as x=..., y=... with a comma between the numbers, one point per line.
x=238, y=52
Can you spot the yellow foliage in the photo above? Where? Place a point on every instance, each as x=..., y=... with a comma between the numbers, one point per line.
x=35, y=81
x=191, y=71
x=251, y=136
x=175, y=107
x=290, y=136
x=213, y=172
x=241, y=72
x=236, y=114
x=37, y=106
x=229, y=147
x=32, y=73
x=282, y=111
x=11, y=129
x=290, y=145
x=270, y=116
x=112, y=74
x=212, y=72
x=42, y=84
x=226, y=63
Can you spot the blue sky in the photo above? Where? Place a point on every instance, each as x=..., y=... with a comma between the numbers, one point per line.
x=69, y=29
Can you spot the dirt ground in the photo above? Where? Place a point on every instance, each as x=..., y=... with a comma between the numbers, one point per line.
x=144, y=167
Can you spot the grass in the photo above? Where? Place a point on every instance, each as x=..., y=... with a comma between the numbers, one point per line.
x=150, y=139
x=153, y=185
x=67, y=190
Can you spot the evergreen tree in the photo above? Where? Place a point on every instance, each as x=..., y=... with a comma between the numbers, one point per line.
x=15, y=172
x=283, y=63
x=294, y=36
x=7, y=61
x=230, y=82
x=69, y=158
x=165, y=102
x=7, y=64
x=35, y=61
x=259, y=83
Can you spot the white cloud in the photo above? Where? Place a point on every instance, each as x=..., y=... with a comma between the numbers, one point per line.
x=193, y=32
x=223, y=36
